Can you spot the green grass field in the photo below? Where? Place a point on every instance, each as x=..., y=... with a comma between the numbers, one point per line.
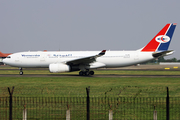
x=57, y=85
x=131, y=97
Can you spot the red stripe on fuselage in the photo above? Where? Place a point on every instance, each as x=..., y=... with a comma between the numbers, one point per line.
x=153, y=44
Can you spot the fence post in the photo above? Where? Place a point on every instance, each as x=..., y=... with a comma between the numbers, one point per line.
x=155, y=114
x=88, y=103
x=10, y=102
x=25, y=113
x=68, y=113
x=110, y=115
x=167, y=105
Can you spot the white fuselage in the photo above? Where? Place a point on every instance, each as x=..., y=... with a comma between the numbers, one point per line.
x=44, y=59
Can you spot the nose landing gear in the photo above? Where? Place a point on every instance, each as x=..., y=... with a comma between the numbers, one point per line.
x=21, y=71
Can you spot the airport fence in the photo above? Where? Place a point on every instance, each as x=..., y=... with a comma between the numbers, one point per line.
x=96, y=108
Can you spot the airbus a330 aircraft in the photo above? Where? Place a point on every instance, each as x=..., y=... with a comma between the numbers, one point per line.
x=84, y=61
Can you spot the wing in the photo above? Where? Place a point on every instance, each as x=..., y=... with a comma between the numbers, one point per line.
x=85, y=60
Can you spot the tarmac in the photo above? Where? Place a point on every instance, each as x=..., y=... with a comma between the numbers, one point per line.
x=135, y=68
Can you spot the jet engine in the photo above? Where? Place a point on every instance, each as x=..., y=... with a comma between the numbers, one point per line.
x=59, y=67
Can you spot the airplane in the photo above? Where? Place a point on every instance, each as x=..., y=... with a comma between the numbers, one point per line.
x=85, y=61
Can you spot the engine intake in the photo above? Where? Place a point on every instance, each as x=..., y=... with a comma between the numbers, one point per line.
x=59, y=67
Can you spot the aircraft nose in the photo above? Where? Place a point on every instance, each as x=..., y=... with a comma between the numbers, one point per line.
x=4, y=60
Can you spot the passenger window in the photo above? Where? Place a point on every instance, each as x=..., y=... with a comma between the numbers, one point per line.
x=8, y=57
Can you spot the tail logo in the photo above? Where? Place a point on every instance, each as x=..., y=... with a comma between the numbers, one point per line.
x=162, y=39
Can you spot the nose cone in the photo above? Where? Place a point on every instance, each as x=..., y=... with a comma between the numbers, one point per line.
x=5, y=60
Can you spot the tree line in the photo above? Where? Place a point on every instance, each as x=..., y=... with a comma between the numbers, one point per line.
x=161, y=59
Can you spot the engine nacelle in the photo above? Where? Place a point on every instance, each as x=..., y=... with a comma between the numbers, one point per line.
x=59, y=67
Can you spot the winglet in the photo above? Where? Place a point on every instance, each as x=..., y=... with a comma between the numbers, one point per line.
x=102, y=52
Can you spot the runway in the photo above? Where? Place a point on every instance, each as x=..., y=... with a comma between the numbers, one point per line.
x=69, y=75
x=130, y=68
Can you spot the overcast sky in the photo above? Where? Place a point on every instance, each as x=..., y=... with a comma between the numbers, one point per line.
x=85, y=25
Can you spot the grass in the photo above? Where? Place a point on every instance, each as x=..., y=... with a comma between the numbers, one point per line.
x=54, y=84
x=57, y=85
x=133, y=97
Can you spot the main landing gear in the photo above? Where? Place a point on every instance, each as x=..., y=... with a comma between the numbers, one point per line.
x=86, y=73
x=21, y=71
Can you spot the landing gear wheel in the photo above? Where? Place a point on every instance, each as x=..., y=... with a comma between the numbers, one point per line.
x=91, y=72
x=86, y=73
x=21, y=72
x=81, y=73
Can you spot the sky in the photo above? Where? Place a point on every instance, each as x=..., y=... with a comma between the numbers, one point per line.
x=81, y=25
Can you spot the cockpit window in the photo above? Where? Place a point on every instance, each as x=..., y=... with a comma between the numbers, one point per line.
x=8, y=57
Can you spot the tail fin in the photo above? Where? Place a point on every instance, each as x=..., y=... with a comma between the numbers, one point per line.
x=162, y=40
x=4, y=54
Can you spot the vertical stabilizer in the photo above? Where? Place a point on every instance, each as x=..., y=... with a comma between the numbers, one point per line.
x=162, y=40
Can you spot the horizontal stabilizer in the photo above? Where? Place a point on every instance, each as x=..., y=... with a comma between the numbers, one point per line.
x=164, y=53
